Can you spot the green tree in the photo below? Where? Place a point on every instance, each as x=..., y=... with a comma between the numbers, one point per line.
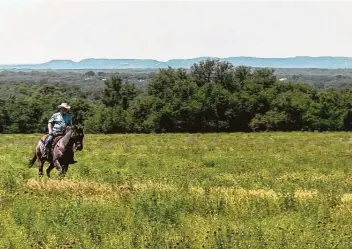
x=112, y=91
x=118, y=93
x=80, y=110
x=90, y=74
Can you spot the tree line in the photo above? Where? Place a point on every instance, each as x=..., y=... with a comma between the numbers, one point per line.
x=212, y=96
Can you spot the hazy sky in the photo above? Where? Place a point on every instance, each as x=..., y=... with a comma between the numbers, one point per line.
x=38, y=31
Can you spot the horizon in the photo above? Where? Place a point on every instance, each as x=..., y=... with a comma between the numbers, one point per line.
x=40, y=32
x=151, y=59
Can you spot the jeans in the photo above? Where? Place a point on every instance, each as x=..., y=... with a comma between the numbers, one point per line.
x=48, y=141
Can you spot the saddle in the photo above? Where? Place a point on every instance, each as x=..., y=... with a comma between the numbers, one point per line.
x=54, y=141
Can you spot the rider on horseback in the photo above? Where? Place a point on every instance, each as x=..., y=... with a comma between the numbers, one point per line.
x=57, y=125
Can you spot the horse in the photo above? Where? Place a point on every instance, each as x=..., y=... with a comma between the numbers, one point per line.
x=61, y=152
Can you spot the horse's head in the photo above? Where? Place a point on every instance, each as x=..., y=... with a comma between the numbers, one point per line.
x=77, y=136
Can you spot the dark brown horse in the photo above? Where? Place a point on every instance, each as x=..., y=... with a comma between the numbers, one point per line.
x=61, y=152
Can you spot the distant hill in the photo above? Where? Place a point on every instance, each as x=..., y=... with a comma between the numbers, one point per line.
x=325, y=62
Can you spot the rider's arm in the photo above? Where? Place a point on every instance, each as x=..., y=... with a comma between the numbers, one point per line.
x=50, y=123
x=50, y=127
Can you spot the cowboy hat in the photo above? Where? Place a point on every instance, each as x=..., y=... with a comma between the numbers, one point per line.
x=64, y=105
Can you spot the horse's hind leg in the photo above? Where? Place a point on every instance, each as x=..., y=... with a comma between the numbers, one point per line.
x=40, y=164
x=49, y=169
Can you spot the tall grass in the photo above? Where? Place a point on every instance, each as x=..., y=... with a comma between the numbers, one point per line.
x=269, y=190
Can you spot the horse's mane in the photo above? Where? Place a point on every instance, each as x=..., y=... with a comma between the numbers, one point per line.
x=64, y=141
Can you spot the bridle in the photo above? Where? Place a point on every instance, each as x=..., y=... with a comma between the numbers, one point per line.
x=73, y=142
x=78, y=142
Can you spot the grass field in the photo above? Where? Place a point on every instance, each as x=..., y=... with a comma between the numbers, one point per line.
x=269, y=190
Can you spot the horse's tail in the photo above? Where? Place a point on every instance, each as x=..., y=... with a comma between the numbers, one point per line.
x=31, y=161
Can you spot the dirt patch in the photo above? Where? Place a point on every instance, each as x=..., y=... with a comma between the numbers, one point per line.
x=86, y=189
x=237, y=193
x=261, y=193
x=306, y=193
x=95, y=190
x=346, y=198
x=91, y=188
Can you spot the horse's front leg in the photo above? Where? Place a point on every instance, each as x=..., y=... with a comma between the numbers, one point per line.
x=64, y=169
x=58, y=166
x=49, y=169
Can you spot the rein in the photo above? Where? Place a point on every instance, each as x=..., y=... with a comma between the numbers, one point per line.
x=68, y=141
x=71, y=141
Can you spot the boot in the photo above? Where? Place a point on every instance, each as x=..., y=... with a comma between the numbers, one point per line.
x=45, y=153
x=46, y=150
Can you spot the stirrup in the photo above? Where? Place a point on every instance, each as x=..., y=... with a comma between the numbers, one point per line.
x=45, y=154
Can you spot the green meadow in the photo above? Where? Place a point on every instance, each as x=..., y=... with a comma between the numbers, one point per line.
x=241, y=190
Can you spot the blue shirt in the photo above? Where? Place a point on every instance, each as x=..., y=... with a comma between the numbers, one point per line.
x=60, y=122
